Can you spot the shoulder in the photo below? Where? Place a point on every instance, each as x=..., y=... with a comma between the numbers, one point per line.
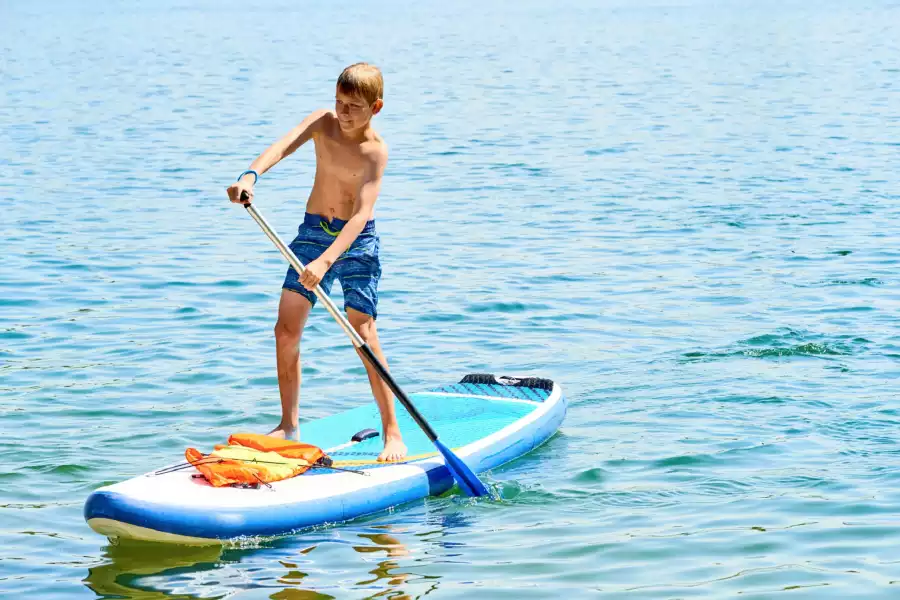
x=326, y=115
x=319, y=120
x=375, y=150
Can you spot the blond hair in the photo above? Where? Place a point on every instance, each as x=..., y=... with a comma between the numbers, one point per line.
x=364, y=80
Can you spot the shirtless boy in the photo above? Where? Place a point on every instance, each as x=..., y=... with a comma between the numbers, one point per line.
x=337, y=239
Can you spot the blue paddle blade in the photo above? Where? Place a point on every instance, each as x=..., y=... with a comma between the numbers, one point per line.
x=467, y=480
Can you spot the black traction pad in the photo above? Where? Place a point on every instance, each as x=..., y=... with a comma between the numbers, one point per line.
x=536, y=383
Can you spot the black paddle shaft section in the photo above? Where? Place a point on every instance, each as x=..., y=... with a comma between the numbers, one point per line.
x=401, y=395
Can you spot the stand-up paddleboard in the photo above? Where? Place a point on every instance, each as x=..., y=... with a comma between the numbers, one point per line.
x=486, y=420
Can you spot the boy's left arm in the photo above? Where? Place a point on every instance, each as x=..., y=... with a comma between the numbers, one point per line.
x=362, y=210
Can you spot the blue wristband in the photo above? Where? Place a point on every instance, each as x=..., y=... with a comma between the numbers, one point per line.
x=255, y=175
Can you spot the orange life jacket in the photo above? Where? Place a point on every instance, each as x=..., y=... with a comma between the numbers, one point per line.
x=251, y=458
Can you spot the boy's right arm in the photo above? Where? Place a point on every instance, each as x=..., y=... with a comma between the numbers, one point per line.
x=284, y=147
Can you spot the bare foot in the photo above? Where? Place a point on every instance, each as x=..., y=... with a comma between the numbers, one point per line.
x=285, y=433
x=394, y=450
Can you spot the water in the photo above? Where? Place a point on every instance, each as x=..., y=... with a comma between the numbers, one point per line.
x=685, y=212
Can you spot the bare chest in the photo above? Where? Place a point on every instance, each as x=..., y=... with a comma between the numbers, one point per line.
x=339, y=161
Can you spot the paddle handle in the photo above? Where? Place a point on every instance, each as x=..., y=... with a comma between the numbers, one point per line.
x=358, y=342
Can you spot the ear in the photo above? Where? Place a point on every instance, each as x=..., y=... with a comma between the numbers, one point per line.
x=377, y=106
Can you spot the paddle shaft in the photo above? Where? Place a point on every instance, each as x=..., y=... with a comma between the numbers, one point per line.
x=358, y=342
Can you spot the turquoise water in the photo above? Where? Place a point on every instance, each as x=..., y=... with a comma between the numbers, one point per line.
x=685, y=212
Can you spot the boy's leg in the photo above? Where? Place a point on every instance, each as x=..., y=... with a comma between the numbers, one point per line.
x=394, y=449
x=293, y=311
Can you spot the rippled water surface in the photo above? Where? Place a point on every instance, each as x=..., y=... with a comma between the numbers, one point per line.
x=684, y=212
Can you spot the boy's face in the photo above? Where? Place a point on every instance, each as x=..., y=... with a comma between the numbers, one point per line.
x=354, y=112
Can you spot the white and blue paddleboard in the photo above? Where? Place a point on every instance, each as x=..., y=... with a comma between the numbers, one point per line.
x=486, y=420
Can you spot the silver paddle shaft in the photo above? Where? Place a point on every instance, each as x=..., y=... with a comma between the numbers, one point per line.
x=295, y=262
x=467, y=479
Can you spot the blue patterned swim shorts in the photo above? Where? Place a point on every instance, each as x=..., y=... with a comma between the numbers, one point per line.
x=358, y=268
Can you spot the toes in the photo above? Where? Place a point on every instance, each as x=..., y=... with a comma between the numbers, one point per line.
x=391, y=456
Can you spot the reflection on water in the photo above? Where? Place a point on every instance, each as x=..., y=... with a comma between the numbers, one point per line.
x=391, y=546
x=288, y=566
x=295, y=594
x=131, y=568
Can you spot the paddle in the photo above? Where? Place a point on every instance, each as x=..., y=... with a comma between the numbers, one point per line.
x=467, y=480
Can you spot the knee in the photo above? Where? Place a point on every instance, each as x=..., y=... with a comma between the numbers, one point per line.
x=287, y=333
x=365, y=329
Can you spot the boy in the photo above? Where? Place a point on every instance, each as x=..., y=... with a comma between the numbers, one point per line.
x=337, y=238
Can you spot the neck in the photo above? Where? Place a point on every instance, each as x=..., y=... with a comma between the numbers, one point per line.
x=356, y=135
